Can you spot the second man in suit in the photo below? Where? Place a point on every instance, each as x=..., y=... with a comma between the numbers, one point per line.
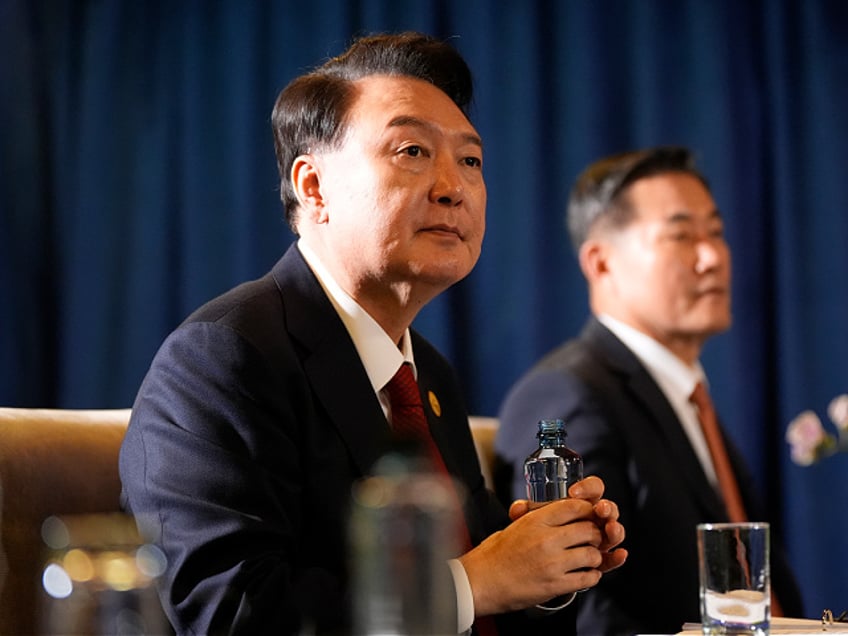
x=651, y=245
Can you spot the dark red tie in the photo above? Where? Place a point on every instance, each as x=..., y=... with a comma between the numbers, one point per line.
x=410, y=421
x=721, y=462
x=408, y=418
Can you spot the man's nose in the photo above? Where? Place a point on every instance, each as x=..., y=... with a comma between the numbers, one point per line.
x=448, y=188
x=710, y=254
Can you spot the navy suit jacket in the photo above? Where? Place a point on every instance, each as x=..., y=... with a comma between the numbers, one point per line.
x=255, y=419
x=619, y=420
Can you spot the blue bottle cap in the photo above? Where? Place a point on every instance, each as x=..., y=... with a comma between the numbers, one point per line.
x=548, y=427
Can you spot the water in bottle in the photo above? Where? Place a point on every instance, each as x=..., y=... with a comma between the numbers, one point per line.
x=551, y=469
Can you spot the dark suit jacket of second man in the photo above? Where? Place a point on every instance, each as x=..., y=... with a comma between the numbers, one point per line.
x=620, y=421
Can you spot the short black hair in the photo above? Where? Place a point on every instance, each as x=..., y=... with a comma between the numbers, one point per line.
x=600, y=191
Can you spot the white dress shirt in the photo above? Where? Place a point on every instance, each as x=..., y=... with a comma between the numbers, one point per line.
x=676, y=380
x=382, y=358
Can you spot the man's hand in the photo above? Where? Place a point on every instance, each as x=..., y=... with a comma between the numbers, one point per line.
x=606, y=517
x=548, y=550
x=544, y=553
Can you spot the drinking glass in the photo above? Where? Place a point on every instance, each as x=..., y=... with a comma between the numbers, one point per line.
x=733, y=561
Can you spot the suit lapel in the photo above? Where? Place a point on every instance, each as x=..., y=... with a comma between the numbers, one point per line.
x=440, y=419
x=445, y=409
x=339, y=380
x=331, y=362
x=647, y=395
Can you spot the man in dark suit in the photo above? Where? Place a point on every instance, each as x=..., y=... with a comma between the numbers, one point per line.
x=651, y=246
x=261, y=411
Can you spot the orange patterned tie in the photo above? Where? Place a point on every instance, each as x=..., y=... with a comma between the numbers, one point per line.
x=726, y=479
x=721, y=462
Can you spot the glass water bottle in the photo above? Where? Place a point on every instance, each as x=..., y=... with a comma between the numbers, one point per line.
x=551, y=469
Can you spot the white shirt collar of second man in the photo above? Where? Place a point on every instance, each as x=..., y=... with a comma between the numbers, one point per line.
x=670, y=372
x=676, y=380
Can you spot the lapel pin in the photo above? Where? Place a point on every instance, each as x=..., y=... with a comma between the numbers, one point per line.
x=434, y=403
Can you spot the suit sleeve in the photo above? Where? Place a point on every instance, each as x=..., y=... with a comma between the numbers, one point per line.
x=210, y=467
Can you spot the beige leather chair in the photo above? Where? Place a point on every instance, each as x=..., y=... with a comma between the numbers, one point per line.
x=483, y=430
x=52, y=462
x=61, y=462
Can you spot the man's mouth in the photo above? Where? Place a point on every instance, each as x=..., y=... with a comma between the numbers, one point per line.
x=443, y=229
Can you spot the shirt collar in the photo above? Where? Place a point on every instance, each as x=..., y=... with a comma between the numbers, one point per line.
x=675, y=377
x=380, y=356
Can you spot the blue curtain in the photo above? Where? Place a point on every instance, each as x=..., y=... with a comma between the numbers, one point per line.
x=137, y=180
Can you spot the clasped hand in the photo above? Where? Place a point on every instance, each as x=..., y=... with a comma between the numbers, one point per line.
x=548, y=550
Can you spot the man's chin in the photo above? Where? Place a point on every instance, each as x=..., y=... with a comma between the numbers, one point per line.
x=442, y=272
x=716, y=326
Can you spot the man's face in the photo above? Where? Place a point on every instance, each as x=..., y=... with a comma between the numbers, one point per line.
x=404, y=195
x=670, y=266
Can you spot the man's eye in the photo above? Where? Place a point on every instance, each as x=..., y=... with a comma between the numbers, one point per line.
x=680, y=236
x=473, y=162
x=413, y=151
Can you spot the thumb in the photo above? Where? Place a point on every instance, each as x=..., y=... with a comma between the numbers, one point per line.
x=518, y=508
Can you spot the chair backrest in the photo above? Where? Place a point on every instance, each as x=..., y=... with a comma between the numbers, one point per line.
x=483, y=430
x=52, y=462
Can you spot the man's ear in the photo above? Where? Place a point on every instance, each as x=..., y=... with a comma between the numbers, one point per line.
x=306, y=180
x=594, y=259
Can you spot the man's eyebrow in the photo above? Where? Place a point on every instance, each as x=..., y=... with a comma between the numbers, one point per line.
x=416, y=122
x=684, y=216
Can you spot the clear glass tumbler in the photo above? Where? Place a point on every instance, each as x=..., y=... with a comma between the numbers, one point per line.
x=734, y=573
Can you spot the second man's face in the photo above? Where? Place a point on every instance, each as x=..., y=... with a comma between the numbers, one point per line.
x=404, y=193
x=672, y=263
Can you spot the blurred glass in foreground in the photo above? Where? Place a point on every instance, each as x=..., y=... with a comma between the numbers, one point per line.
x=403, y=529
x=99, y=578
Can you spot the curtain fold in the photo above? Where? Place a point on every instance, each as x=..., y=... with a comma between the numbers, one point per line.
x=138, y=179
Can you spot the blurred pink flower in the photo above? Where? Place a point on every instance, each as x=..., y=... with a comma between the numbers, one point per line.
x=838, y=411
x=807, y=439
